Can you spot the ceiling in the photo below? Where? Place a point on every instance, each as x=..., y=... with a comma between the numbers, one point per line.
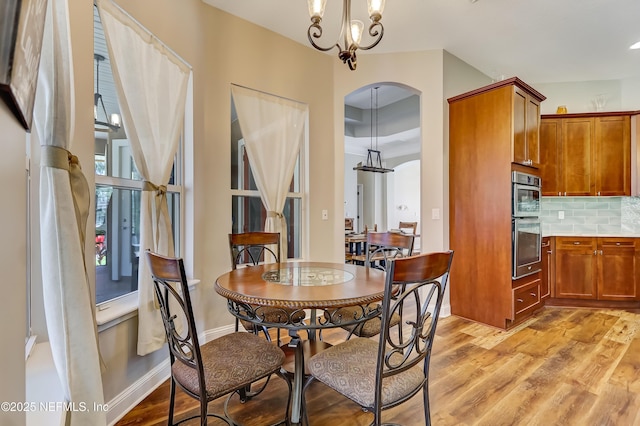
x=540, y=41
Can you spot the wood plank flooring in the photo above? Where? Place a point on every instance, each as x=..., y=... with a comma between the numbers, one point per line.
x=564, y=366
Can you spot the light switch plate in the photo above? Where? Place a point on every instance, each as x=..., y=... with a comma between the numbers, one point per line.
x=561, y=214
x=325, y=214
x=435, y=214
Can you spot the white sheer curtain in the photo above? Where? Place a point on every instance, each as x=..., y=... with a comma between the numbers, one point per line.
x=151, y=82
x=273, y=129
x=64, y=209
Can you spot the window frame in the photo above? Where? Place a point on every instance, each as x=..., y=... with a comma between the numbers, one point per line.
x=176, y=188
x=300, y=195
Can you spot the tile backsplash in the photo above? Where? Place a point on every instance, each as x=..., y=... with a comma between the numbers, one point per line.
x=590, y=215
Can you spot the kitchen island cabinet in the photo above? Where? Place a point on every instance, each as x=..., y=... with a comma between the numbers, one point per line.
x=597, y=268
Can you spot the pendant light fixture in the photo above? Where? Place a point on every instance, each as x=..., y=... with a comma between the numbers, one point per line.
x=351, y=31
x=374, y=160
x=113, y=123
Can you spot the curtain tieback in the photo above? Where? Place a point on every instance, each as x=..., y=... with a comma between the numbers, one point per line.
x=59, y=158
x=274, y=214
x=149, y=186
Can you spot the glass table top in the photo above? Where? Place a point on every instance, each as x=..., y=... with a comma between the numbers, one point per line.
x=307, y=276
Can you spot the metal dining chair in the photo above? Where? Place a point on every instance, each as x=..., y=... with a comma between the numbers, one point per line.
x=250, y=249
x=381, y=248
x=222, y=366
x=397, y=368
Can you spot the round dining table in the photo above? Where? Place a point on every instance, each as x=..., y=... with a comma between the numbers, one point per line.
x=310, y=295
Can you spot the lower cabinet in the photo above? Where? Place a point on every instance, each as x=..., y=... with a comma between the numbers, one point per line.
x=526, y=296
x=596, y=268
x=617, y=269
x=547, y=268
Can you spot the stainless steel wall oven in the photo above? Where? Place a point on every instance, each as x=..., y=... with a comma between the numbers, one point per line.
x=526, y=227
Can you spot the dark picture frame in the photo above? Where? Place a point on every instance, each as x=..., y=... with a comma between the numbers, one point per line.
x=21, y=31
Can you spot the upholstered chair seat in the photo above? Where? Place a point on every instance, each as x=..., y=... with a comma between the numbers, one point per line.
x=350, y=368
x=232, y=361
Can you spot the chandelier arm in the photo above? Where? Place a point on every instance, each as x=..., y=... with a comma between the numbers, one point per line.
x=317, y=34
x=352, y=62
x=373, y=32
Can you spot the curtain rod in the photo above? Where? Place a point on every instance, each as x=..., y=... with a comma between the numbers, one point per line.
x=270, y=94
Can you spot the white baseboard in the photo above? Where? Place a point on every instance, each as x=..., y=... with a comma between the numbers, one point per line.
x=139, y=390
x=445, y=311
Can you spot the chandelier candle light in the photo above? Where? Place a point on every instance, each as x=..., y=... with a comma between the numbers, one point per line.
x=351, y=31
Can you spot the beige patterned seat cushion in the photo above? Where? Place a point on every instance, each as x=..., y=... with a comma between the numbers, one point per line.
x=350, y=368
x=230, y=362
x=275, y=315
x=370, y=328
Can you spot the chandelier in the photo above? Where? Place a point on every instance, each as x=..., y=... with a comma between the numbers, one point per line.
x=374, y=160
x=111, y=122
x=351, y=31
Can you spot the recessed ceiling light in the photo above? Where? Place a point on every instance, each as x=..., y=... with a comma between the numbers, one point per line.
x=635, y=46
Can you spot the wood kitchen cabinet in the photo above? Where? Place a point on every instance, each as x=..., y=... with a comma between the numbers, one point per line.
x=617, y=268
x=492, y=131
x=597, y=268
x=576, y=268
x=546, y=274
x=585, y=154
x=526, y=128
x=612, y=155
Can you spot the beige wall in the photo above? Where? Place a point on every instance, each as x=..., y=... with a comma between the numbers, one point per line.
x=13, y=263
x=422, y=71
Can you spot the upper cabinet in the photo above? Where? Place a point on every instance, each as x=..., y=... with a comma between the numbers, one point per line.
x=526, y=127
x=585, y=154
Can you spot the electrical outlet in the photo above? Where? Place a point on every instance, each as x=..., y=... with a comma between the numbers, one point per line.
x=325, y=214
x=561, y=214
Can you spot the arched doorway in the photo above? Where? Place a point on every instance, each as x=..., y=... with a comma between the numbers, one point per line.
x=382, y=117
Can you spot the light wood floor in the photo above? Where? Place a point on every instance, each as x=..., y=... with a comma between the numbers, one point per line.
x=565, y=366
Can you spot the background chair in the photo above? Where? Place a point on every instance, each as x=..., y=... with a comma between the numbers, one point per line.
x=386, y=245
x=380, y=249
x=399, y=368
x=251, y=249
x=219, y=367
x=348, y=224
x=409, y=227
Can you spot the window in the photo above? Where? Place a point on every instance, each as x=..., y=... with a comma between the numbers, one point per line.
x=117, y=196
x=248, y=213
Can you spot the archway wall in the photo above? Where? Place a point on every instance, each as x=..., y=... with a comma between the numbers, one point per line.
x=422, y=71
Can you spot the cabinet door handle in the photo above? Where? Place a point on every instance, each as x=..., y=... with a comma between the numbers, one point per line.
x=617, y=244
x=520, y=300
x=598, y=193
x=576, y=243
x=565, y=193
x=600, y=252
x=595, y=252
x=532, y=294
x=559, y=194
